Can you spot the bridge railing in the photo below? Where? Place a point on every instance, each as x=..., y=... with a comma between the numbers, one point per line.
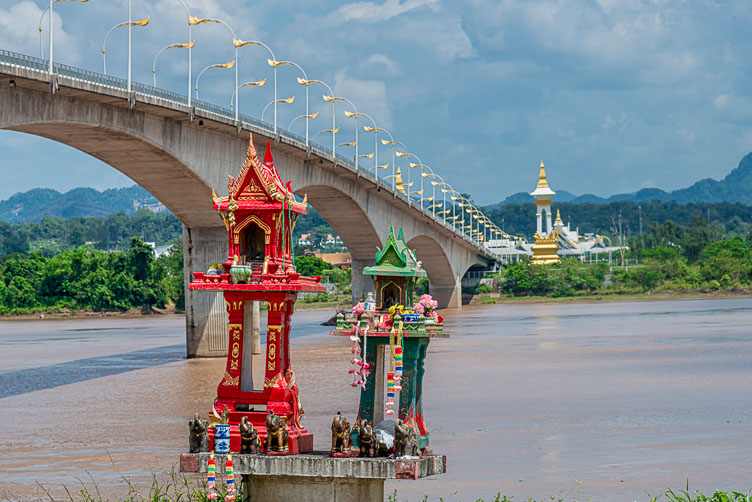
x=80, y=74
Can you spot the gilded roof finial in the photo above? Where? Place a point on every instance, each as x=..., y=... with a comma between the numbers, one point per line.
x=558, y=219
x=542, y=183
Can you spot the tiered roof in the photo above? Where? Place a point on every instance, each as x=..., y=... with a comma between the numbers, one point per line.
x=395, y=259
x=259, y=186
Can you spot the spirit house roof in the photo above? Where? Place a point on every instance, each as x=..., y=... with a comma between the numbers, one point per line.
x=258, y=186
x=395, y=259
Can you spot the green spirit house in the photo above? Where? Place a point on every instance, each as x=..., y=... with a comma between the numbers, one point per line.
x=394, y=276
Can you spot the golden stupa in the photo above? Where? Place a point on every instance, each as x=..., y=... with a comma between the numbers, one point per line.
x=546, y=246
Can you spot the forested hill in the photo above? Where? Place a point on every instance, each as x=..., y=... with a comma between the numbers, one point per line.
x=734, y=219
x=735, y=187
x=31, y=206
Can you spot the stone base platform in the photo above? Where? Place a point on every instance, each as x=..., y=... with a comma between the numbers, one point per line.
x=316, y=476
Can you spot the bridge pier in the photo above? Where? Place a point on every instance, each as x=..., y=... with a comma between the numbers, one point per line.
x=205, y=313
x=361, y=284
x=448, y=296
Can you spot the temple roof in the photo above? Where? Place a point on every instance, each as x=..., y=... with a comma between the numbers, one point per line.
x=259, y=185
x=558, y=222
x=542, y=189
x=395, y=259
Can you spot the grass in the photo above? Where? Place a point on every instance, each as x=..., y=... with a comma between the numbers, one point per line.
x=668, y=496
x=172, y=486
x=167, y=485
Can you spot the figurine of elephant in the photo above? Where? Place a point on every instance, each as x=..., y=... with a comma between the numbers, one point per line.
x=198, y=440
x=404, y=440
x=340, y=434
x=249, y=440
x=276, y=433
x=369, y=445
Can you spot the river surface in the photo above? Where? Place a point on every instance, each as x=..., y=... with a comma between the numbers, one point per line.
x=612, y=401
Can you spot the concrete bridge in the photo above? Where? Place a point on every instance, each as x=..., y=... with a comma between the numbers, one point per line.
x=179, y=154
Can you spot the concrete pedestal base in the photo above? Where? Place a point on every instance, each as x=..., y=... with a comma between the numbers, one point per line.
x=311, y=489
x=315, y=477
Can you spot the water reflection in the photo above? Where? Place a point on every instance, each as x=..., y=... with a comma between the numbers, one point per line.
x=46, y=377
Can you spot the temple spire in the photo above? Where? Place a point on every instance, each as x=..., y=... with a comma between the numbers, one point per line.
x=542, y=183
x=558, y=221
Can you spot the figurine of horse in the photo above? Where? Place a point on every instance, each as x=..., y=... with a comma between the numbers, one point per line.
x=276, y=433
x=249, y=440
x=369, y=445
x=198, y=440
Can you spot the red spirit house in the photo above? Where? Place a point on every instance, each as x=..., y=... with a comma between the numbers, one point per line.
x=259, y=213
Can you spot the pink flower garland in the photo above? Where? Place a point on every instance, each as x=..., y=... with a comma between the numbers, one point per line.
x=360, y=369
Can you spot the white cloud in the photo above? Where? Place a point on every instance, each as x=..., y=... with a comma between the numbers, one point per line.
x=369, y=12
x=368, y=95
x=19, y=31
x=444, y=35
x=382, y=64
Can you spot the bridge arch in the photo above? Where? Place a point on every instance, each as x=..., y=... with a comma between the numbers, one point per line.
x=442, y=283
x=147, y=164
x=346, y=217
x=146, y=151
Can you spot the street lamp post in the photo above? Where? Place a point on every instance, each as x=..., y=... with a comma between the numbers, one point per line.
x=394, y=144
x=242, y=43
x=188, y=45
x=302, y=81
x=425, y=175
x=454, y=198
x=195, y=20
x=333, y=99
x=434, y=184
x=256, y=83
x=354, y=115
x=51, y=45
x=311, y=116
x=274, y=102
x=325, y=131
x=49, y=9
x=228, y=64
x=408, y=155
x=130, y=29
x=376, y=130
x=306, y=83
x=140, y=22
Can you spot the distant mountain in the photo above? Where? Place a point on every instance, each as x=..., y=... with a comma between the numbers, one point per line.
x=735, y=187
x=78, y=202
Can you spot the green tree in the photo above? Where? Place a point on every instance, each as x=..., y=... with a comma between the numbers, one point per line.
x=140, y=260
x=310, y=265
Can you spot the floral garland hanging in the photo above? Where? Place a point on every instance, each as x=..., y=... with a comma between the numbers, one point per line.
x=398, y=360
x=211, y=494
x=390, y=376
x=360, y=369
x=230, y=479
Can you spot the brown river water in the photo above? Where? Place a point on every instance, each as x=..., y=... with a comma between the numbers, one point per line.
x=612, y=401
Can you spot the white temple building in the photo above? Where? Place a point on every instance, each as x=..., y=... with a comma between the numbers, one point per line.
x=551, y=241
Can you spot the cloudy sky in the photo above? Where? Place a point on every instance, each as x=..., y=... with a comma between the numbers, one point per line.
x=613, y=95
